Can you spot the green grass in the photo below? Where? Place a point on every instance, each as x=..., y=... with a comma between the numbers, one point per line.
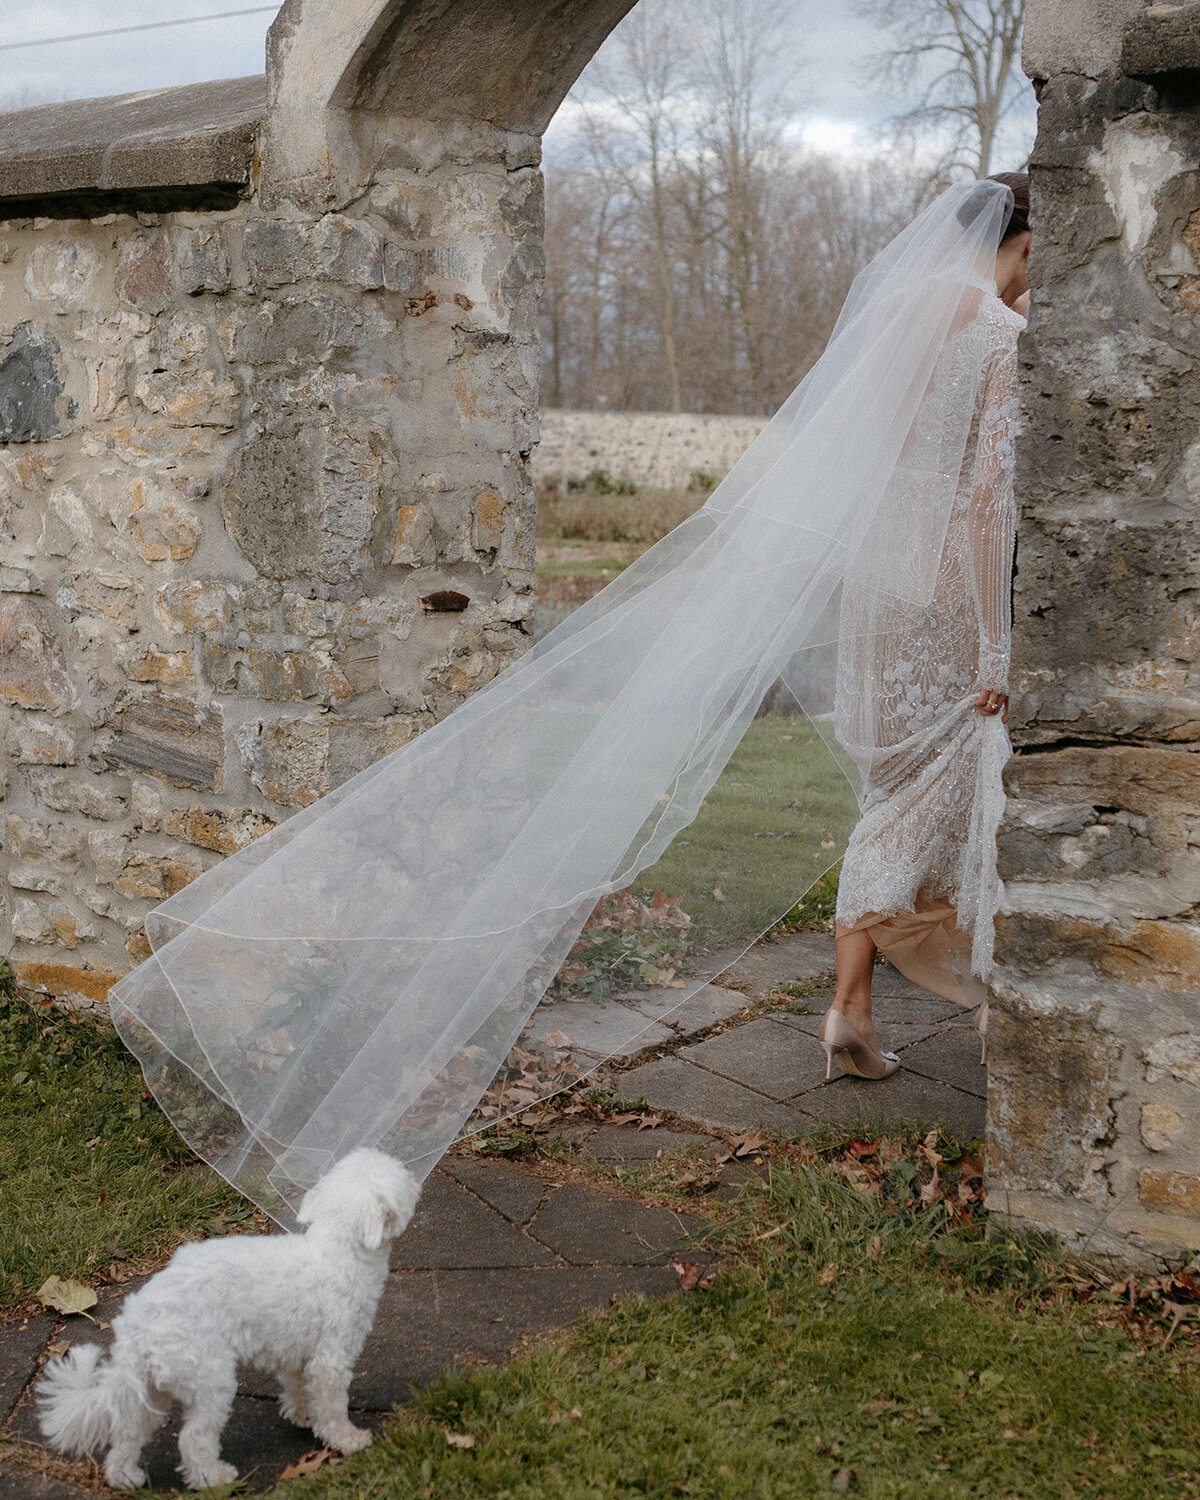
x=855, y=1344
x=92, y=1175
x=772, y=825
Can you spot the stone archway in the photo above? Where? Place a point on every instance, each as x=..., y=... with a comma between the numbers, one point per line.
x=268, y=387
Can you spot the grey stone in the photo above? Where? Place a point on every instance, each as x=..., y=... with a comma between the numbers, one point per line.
x=201, y=261
x=791, y=959
x=693, y=1093
x=905, y=1096
x=1162, y=43
x=33, y=666
x=177, y=741
x=25, y=1484
x=951, y=1056
x=515, y=1192
x=429, y=1319
x=628, y=1143
x=181, y=147
x=21, y=1345
x=765, y=1056
x=698, y=1012
x=587, y=1229
x=594, y=1030
x=30, y=385
x=452, y=1229
x=336, y=248
x=300, y=501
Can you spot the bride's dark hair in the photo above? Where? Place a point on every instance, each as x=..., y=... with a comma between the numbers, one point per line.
x=1018, y=185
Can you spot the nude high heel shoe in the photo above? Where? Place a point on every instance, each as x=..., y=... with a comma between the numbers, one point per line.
x=854, y=1054
x=981, y=1024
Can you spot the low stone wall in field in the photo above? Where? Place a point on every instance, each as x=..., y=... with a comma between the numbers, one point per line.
x=656, y=450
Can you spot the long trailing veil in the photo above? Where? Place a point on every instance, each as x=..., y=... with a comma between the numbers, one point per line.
x=370, y=972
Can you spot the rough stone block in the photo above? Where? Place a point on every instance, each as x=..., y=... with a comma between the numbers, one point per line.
x=195, y=605
x=201, y=261
x=33, y=666
x=63, y=271
x=30, y=387
x=335, y=248
x=1053, y=1081
x=1160, y=1126
x=166, y=530
x=190, y=398
x=226, y=832
x=34, y=741
x=82, y=792
x=300, y=502
x=156, y=876
x=146, y=276
x=1170, y=1192
x=78, y=983
x=178, y=741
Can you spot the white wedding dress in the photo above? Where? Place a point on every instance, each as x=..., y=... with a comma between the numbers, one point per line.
x=363, y=973
x=919, y=873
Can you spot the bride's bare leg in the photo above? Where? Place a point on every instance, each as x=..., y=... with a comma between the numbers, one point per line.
x=855, y=965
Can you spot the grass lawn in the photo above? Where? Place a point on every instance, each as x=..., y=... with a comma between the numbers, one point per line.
x=855, y=1344
x=93, y=1179
x=774, y=822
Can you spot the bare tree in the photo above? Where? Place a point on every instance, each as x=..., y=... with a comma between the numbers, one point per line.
x=963, y=55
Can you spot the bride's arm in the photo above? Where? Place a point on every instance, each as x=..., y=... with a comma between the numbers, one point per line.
x=992, y=530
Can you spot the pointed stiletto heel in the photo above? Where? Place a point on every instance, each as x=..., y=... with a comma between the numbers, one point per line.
x=854, y=1053
x=981, y=1025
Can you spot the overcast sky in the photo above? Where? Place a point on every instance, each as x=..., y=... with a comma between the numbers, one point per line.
x=832, y=111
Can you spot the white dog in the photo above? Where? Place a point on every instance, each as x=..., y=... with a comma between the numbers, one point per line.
x=298, y=1305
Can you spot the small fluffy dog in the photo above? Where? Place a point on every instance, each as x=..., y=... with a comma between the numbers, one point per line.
x=298, y=1305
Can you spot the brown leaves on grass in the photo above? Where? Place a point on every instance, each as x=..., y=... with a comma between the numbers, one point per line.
x=309, y=1463
x=690, y=1277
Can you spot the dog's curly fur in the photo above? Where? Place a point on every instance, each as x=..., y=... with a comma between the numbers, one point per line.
x=299, y=1306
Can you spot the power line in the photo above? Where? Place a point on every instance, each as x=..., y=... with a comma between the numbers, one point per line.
x=87, y=36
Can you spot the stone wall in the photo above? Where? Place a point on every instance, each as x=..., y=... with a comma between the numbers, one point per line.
x=265, y=512
x=656, y=450
x=1094, y=1086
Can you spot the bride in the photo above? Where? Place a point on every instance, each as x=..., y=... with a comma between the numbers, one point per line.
x=918, y=880
x=368, y=970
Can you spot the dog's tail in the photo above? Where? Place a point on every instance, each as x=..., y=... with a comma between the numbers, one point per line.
x=84, y=1400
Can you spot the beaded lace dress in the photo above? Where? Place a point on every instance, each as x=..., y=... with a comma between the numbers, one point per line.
x=920, y=869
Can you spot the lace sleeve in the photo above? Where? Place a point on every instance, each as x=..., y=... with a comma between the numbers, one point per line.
x=993, y=521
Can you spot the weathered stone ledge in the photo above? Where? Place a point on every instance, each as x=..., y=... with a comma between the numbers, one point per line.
x=157, y=151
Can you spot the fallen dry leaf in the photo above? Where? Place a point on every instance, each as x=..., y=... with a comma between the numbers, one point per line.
x=841, y=1480
x=828, y=1274
x=558, y=1039
x=66, y=1296
x=689, y=1276
x=747, y=1145
x=459, y=1439
x=309, y=1463
x=876, y=1248
x=649, y=1122
x=718, y=893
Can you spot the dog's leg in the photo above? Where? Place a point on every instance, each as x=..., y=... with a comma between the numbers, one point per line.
x=328, y=1384
x=122, y=1468
x=293, y=1400
x=205, y=1412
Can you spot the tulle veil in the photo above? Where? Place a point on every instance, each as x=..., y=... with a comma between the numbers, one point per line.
x=546, y=875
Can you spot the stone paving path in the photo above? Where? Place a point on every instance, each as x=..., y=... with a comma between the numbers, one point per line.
x=499, y=1252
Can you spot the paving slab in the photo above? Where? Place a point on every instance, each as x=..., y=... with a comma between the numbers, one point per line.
x=792, y=959
x=696, y=1094
x=25, y=1484
x=596, y=1031
x=21, y=1346
x=626, y=1143
x=452, y=1229
x=516, y=1193
x=710, y=1004
x=893, y=1036
x=429, y=1319
x=904, y=1096
x=951, y=1056
x=587, y=1229
x=765, y=1056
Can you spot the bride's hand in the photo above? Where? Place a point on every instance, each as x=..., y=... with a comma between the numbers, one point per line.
x=988, y=701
